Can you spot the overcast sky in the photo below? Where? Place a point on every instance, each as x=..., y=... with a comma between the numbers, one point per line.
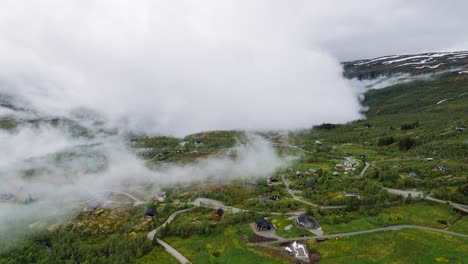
x=178, y=67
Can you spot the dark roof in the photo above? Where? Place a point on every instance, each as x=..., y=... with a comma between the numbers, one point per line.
x=6, y=196
x=220, y=211
x=263, y=222
x=309, y=184
x=151, y=212
x=307, y=219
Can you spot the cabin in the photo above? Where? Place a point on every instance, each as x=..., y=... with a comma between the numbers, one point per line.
x=460, y=129
x=307, y=222
x=309, y=185
x=7, y=197
x=441, y=168
x=299, y=174
x=160, y=197
x=274, y=198
x=272, y=180
x=151, y=212
x=218, y=213
x=263, y=225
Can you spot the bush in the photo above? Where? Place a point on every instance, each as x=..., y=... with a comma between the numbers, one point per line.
x=385, y=141
x=406, y=143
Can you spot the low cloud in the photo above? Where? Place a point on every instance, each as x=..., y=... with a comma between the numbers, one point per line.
x=62, y=173
x=173, y=68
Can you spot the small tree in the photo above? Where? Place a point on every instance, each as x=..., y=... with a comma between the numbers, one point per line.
x=409, y=199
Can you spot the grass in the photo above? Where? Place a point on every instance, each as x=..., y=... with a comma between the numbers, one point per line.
x=227, y=246
x=421, y=213
x=404, y=246
x=282, y=222
x=460, y=226
x=156, y=256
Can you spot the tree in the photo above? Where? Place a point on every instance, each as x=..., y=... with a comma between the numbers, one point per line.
x=409, y=199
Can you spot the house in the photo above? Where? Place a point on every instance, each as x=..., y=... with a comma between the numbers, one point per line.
x=151, y=212
x=335, y=173
x=460, y=128
x=313, y=171
x=318, y=142
x=7, y=197
x=350, y=162
x=307, y=222
x=263, y=225
x=309, y=185
x=274, y=198
x=413, y=174
x=339, y=166
x=362, y=156
x=272, y=180
x=299, y=174
x=160, y=197
x=441, y=168
x=218, y=213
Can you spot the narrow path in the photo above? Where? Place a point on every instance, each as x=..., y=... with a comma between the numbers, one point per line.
x=153, y=232
x=176, y=254
x=215, y=204
x=364, y=170
x=420, y=195
x=374, y=230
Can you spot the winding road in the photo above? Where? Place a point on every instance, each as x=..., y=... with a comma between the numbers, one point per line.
x=420, y=195
x=374, y=230
x=176, y=254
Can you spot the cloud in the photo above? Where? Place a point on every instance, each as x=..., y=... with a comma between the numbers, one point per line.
x=173, y=68
x=68, y=172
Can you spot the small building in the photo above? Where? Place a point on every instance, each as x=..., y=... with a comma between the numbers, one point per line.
x=335, y=173
x=350, y=162
x=151, y=212
x=313, y=171
x=460, y=129
x=441, y=168
x=219, y=213
x=274, y=197
x=339, y=166
x=160, y=197
x=413, y=174
x=362, y=156
x=272, y=180
x=263, y=225
x=309, y=185
x=299, y=174
x=7, y=197
x=307, y=222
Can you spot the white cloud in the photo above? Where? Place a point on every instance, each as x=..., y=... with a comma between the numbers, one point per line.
x=175, y=67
